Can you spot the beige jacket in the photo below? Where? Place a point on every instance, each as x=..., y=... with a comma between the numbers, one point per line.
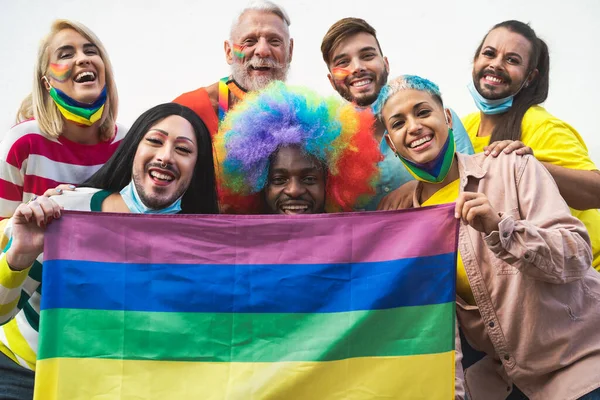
x=538, y=300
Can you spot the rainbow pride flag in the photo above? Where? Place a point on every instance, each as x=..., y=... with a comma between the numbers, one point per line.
x=338, y=306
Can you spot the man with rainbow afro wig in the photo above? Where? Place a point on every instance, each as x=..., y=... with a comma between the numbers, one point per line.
x=288, y=150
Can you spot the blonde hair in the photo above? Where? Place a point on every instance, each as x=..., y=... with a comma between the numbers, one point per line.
x=39, y=104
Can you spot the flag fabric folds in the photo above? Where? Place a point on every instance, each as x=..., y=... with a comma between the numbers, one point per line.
x=329, y=306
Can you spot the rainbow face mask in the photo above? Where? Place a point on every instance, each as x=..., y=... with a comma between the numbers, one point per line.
x=436, y=170
x=80, y=113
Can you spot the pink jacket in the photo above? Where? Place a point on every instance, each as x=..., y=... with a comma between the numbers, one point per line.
x=538, y=299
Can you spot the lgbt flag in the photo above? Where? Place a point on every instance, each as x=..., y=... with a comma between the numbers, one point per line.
x=339, y=306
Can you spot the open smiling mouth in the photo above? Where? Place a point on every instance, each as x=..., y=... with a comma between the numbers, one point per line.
x=361, y=83
x=420, y=142
x=84, y=77
x=263, y=69
x=494, y=80
x=291, y=209
x=161, y=178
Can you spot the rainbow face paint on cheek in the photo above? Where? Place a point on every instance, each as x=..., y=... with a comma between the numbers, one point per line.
x=59, y=72
x=238, y=51
x=340, y=74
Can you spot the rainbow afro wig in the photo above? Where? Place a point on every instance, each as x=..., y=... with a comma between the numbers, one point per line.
x=330, y=130
x=404, y=82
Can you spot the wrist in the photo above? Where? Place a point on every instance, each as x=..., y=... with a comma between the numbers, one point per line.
x=17, y=262
x=494, y=226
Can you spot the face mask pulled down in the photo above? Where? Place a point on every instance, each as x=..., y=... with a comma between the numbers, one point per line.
x=135, y=204
x=496, y=106
x=436, y=170
x=80, y=113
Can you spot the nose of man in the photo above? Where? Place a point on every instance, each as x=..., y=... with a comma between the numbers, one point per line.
x=294, y=188
x=165, y=156
x=496, y=63
x=356, y=66
x=262, y=48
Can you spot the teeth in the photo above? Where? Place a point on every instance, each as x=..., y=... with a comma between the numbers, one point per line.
x=493, y=79
x=294, y=207
x=362, y=82
x=162, y=177
x=419, y=142
x=84, y=74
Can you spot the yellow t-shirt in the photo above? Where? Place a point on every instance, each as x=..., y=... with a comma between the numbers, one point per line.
x=449, y=194
x=479, y=142
x=555, y=142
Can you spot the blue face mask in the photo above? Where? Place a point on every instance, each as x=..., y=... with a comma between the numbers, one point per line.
x=134, y=203
x=487, y=106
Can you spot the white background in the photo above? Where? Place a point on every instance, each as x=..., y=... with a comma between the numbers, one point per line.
x=160, y=49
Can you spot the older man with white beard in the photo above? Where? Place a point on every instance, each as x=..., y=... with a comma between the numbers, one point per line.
x=259, y=51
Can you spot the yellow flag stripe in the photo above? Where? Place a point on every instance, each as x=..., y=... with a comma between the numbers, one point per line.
x=409, y=377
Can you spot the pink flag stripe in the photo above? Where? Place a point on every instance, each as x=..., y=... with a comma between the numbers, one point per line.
x=253, y=239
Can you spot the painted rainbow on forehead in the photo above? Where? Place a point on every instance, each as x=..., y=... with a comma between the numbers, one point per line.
x=60, y=72
x=340, y=74
x=238, y=50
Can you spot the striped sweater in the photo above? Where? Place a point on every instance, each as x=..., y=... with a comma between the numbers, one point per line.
x=20, y=292
x=32, y=162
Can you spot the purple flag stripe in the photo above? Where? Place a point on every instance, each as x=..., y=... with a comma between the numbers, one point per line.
x=238, y=239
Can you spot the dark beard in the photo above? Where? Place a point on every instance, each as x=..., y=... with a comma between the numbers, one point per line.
x=366, y=100
x=493, y=95
x=156, y=203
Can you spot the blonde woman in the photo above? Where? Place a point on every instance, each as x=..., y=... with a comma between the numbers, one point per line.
x=66, y=128
x=67, y=131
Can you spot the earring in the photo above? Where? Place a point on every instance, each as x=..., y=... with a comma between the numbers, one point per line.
x=163, y=165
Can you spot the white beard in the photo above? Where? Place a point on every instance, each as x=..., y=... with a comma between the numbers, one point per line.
x=239, y=71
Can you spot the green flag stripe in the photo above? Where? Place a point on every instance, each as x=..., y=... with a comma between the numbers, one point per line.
x=230, y=337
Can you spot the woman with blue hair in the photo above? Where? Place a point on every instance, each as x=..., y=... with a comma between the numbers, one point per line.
x=526, y=293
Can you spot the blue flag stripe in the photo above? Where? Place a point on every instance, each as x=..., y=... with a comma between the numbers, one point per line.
x=304, y=288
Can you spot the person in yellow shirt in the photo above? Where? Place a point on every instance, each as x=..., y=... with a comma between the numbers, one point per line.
x=510, y=80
